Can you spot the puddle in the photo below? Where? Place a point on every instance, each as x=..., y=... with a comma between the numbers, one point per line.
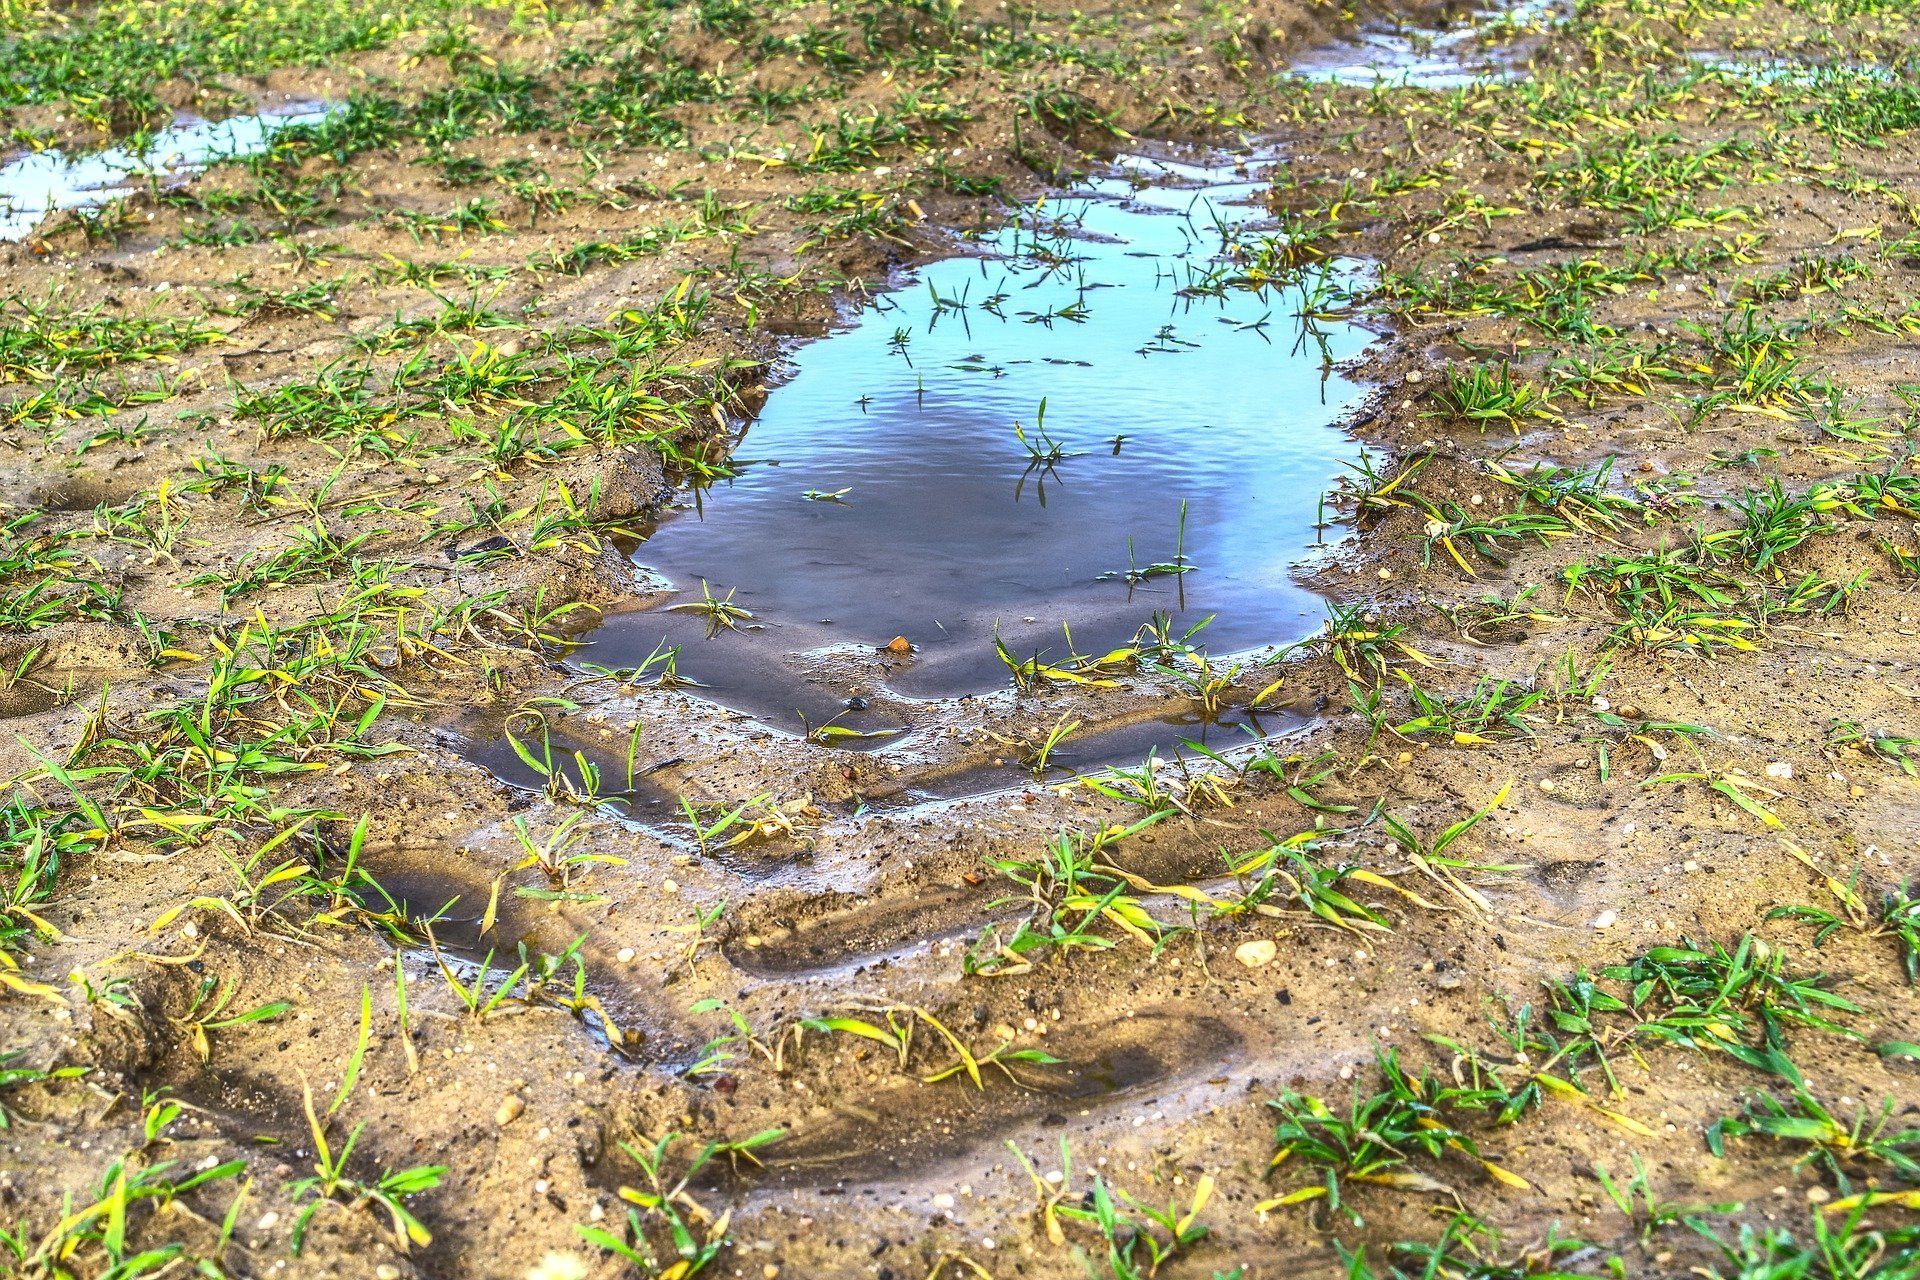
x=883, y=493
x=41, y=182
x=1427, y=57
x=1773, y=69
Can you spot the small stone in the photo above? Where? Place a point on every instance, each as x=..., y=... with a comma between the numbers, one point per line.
x=559, y=1266
x=1818, y=1195
x=1606, y=920
x=899, y=644
x=943, y=1201
x=1258, y=952
x=770, y=1272
x=1781, y=770
x=1546, y=784
x=625, y=955
x=386, y=1271
x=510, y=1110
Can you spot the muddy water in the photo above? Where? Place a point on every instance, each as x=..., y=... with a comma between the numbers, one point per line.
x=883, y=492
x=36, y=184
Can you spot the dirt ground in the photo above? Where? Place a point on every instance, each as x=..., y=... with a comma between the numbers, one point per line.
x=1569, y=932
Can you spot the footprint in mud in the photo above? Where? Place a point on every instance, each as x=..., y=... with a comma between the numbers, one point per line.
x=1577, y=786
x=415, y=890
x=29, y=698
x=909, y=1129
x=1565, y=877
x=82, y=493
x=871, y=933
x=801, y=936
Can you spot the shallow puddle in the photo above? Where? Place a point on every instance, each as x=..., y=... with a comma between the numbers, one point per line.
x=1773, y=69
x=41, y=182
x=1428, y=57
x=883, y=491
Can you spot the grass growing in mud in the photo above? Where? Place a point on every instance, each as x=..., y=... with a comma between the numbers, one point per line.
x=1576, y=935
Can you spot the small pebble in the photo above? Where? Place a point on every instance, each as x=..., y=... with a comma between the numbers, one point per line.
x=510, y=1110
x=1606, y=920
x=1258, y=952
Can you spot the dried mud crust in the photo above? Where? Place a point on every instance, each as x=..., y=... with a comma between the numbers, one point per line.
x=1532, y=240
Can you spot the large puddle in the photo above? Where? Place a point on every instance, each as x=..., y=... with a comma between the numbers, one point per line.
x=1189, y=431
x=42, y=182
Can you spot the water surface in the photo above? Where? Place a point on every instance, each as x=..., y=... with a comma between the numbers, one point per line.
x=883, y=491
x=1410, y=56
x=41, y=182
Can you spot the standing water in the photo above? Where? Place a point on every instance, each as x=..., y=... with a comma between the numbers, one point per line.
x=1189, y=423
x=36, y=184
x=1484, y=44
